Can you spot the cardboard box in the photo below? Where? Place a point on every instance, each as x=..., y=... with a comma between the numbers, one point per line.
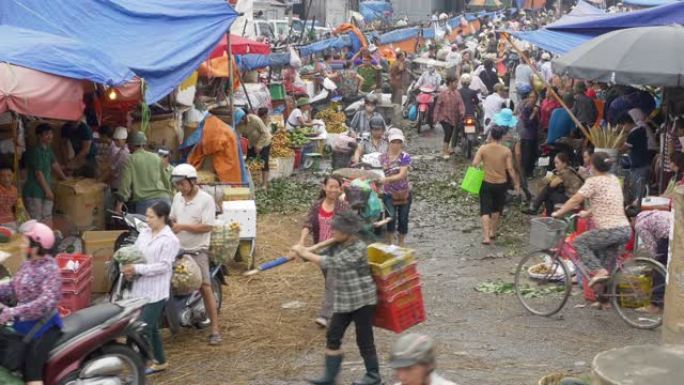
x=100, y=244
x=242, y=212
x=81, y=201
x=163, y=131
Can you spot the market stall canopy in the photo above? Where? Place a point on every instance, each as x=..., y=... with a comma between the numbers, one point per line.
x=30, y=92
x=161, y=41
x=648, y=3
x=560, y=39
x=240, y=46
x=478, y=4
x=60, y=55
x=581, y=12
x=376, y=10
x=336, y=43
x=646, y=56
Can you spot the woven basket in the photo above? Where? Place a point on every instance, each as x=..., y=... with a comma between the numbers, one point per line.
x=224, y=244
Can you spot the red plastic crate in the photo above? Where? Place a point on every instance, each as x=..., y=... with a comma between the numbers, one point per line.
x=84, y=269
x=405, y=310
x=75, y=300
x=244, y=143
x=398, y=277
x=386, y=293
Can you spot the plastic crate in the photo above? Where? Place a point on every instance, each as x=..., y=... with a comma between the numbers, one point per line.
x=639, y=287
x=546, y=233
x=387, y=259
x=397, y=278
x=78, y=299
x=404, y=310
x=277, y=91
x=386, y=294
x=84, y=271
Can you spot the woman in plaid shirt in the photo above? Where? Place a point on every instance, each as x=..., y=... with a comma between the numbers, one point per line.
x=355, y=298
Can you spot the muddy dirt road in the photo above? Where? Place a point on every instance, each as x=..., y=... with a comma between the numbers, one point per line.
x=484, y=339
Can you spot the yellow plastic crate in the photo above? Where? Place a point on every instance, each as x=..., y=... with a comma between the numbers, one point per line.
x=236, y=194
x=387, y=259
x=635, y=291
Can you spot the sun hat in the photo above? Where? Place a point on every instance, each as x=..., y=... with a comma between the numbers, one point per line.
x=120, y=133
x=395, y=134
x=137, y=139
x=347, y=222
x=239, y=115
x=412, y=349
x=303, y=102
x=505, y=118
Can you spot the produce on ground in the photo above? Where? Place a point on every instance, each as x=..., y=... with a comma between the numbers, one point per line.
x=335, y=122
x=500, y=287
x=280, y=145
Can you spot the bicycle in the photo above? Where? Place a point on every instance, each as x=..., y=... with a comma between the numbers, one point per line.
x=543, y=278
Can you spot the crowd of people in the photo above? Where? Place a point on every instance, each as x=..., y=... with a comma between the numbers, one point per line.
x=519, y=105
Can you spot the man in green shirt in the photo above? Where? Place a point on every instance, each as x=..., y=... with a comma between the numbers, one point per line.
x=40, y=162
x=370, y=74
x=142, y=183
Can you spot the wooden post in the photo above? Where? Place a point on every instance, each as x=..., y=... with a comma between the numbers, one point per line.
x=547, y=85
x=673, y=317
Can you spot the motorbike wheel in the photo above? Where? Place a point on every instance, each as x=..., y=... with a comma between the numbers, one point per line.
x=469, y=147
x=135, y=367
x=218, y=293
x=419, y=121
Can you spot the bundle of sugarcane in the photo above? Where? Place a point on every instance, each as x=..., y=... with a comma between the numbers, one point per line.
x=607, y=136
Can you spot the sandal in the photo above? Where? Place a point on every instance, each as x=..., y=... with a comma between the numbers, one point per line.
x=214, y=339
x=156, y=368
x=486, y=243
x=597, y=279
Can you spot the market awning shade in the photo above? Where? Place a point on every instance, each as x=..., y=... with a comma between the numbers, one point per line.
x=647, y=56
x=478, y=4
x=161, y=41
x=30, y=92
x=240, y=46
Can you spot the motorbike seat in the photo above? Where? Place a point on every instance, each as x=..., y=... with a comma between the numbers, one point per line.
x=85, y=319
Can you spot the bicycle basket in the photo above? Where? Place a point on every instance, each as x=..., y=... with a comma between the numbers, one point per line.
x=546, y=233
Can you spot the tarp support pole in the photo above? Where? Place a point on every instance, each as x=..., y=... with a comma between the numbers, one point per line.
x=244, y=88
x=231, y=81
x=547, y=85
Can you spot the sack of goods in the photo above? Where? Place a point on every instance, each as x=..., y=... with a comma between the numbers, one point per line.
x=344, y=144
x=225, y=240
x=400, y=299
x=187, y=276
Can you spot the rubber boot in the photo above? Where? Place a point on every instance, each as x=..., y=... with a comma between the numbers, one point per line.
x=332, y=369
x=372, y=376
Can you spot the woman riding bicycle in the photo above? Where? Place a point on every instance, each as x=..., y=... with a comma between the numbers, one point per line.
x=599, y=247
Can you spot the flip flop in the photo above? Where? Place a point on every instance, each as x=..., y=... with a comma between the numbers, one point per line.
x=486, y=243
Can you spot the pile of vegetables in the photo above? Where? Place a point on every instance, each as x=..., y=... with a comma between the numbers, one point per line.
x=280, y=145
x=335, y=122
x=255, y=165
x=298, y=138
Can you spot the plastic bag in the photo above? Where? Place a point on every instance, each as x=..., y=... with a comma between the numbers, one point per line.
x=344, y=144
x=295, y=60
x=7, y=378
x=472, y=181
x=187, y=276
x=413, y=113
x=129, y=255
x=225, y=240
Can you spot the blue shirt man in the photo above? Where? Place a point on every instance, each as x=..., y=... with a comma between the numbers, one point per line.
x=560, y=125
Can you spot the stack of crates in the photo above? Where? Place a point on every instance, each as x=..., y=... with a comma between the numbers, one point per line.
x=77, y=281
x=400, y=299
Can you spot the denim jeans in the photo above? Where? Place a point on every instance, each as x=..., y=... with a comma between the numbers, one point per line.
x=399, y=213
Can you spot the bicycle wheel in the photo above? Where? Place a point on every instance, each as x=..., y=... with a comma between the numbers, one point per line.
x=542, y=283
x=634, y=286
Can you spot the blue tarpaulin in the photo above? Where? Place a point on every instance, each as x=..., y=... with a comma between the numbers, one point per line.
x=255, y=61
x=583, y=11
x=162, y=41
x=322, y=45
x=60, y=55
x=563, y=37
x=399, y=35
x=375, y=10
x=648, y=3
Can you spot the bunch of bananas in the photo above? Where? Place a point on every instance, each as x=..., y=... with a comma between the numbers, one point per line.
x=234, y=227
x=280, y=145
x=335, y=122
x=255, y=164
x=298, y=138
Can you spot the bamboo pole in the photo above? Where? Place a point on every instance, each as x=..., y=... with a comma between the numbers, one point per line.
x=547, y=85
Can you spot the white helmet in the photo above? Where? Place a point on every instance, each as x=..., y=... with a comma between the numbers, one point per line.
x=443, y=16
x=182, y=172
x=466, y=79
x=546, y=56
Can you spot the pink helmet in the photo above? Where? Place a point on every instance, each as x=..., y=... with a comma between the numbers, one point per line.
x=39, y=233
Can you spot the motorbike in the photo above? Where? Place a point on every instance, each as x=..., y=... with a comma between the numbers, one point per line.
x=182, y=310
x=424, y=102
x=548, y=151
x=100, y=345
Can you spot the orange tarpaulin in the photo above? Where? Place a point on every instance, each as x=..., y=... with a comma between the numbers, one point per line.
x=220, y=143
x=346, y=27
x=218, y=68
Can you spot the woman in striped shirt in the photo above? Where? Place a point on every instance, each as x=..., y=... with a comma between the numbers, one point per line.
x=160, y=246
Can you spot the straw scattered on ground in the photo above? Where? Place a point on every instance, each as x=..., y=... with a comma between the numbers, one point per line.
x=261, y=339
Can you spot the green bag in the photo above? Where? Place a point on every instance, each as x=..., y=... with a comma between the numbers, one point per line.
x=7, y=378
x=472, y=181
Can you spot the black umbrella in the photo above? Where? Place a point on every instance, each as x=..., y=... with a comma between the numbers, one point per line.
x=645, y=56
